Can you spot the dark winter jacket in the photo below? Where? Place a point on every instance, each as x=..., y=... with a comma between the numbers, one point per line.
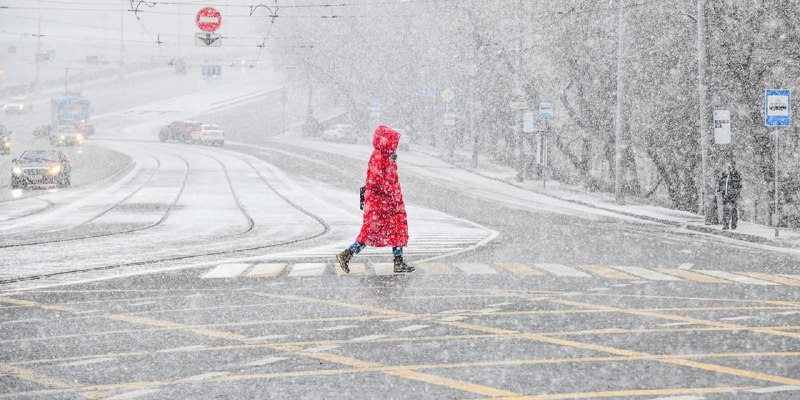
x=385, y=220
x=730, y=186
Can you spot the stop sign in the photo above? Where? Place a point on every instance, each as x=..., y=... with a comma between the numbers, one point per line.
x=208, y=19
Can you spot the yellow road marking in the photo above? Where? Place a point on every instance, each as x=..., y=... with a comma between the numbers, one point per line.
x=434, y=268
x=633, y=392
x=681, y=273
x=376, y=310
x=772, y=278
x=33, y=376
x=450, y=383
x=520, y=269
x=355, y=269
x=33, y=304
x=266, y=270
x=609, y=272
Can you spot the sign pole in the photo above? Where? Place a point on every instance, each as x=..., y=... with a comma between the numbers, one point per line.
x=776, y=214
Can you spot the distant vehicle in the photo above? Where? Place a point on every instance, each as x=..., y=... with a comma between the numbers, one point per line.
x=179, y=131
x=41, y=168
x=6, y=144
x=66, y=135
x=68, y=110
x=208, y=134
x=18, y=105
x=339, y=133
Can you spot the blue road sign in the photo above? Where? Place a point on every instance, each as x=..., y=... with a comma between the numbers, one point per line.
x=428, y=91
x=778, y=107
x=450, y=108
x=375, y=103
x=546, y=110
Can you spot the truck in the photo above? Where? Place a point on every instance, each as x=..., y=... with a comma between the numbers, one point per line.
x=68, y=110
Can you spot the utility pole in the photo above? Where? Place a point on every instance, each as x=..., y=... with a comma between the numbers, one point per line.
x=38, y=50
x=619, y=146
x=776, y=215
x=122, y=42
x=705, y=191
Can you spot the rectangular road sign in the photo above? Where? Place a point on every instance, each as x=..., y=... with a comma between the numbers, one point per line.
x=777, y=107
x=546, y=110
x=722, y=127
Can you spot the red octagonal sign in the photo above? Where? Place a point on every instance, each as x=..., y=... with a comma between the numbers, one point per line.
x=208, y=19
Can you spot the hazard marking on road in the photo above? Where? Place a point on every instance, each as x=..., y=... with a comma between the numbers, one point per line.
x=647, y=274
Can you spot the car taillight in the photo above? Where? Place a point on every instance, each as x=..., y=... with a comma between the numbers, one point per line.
x=205, y=133
x=188, y=129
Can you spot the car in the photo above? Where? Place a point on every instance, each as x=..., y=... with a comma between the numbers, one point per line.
x=209, y=134
x=5, y=143
x=339, y=133
x=66, y=135
x=179, y=131
x=41, y=168
x=18, y=105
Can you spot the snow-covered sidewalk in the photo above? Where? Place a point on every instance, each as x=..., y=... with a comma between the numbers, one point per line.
x=747, y=231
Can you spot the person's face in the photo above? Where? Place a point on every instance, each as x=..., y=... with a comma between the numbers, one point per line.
x=728, y=167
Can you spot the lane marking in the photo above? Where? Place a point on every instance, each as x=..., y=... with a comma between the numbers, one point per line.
x=134, y=394
x=412, y=328
x=686, y=266
x=268, y=337
x=739, y=318
x=265, y=361
x=775, y=389
x=562, y=270
x=269, y=270
x=453, y=318
x=626, y=393
x=435, y=268
x=367, y=338
x=307, y=269
x=87, y=362
x=382, y=269
x=691, y=275
x=476, y=269
x=607, y=272
x=337, y=328
x=355, y=269
x=225, y=271
x=201, y=377
x=734, y=277
x=772, y=278
x=520, y=269
x=646, y=273
x=33, y=376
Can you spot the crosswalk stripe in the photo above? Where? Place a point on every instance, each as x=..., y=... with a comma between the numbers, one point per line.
x=647, y=274
x=383, y=269
x=608, y=272
x=435, y=268
x=772, y=278
x=562, y=270
x=225, y=271
x=266, y=270
x=691, y=275
x=519, y=269
x=735, y=278
x=355, y=269
x=307, y=269
x=476, y=269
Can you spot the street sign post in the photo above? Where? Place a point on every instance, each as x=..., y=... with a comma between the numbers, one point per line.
x=722, y=127
x=777, y=113
x=208, y=19
x=545, y=110
x=527, y=122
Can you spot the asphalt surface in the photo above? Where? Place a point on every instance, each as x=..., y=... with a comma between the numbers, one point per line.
x=514, y=297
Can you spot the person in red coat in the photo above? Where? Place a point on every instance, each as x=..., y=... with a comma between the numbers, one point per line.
x=385, y=221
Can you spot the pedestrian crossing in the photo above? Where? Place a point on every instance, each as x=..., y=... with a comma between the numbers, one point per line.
x=630, y=274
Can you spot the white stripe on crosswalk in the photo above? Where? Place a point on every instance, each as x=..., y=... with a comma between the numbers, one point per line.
x=383, y=269
x=734, y=277
x=476, y=269
x=307, y=269
x=647, y=274
x=562, y=270
x=225, y=271
x=266, y=270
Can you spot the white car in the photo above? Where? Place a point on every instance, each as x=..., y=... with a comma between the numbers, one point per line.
x=18, y=105
x=210, y=135
x=339, y=133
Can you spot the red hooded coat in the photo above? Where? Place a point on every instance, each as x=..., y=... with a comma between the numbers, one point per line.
x=385, y=220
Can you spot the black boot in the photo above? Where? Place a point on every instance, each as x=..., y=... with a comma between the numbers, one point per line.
x=400, y=266
x=344, y=260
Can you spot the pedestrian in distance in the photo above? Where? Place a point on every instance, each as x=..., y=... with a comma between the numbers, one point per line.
x=730, y=187
x=385, y=221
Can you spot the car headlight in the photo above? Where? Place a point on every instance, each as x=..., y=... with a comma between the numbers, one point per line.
x=79, y=137
x=54, y=170
x=17, y=170
x=63, y=137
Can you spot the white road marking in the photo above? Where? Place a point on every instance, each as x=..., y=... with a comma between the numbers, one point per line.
x=686, y=266
x=562, y=270
x=307, y=269
x=383, y=269
x=134, y=394
x=620, y=285
x=318, y=349
x=476, y=269
x=87, y=362
x=453, y=311
x=412, y=328
x=792, y=276
x=401, y=319
x=268, y=337
x=687, y=397
x=270, y=360
x=225, y=271
x=144, y=303
x=647, y=274
x=453, y=318
x=598, y=289
x=499, y=304
x=367, y=338
x=266, y=270
x=786, y=313
x=184, y=348
x=774, y=389
x=487, y=310
x=739, y=318
x=337, y=328
x=19, y=321
x=202, y=377
x=677, y=324
x=735, y=278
